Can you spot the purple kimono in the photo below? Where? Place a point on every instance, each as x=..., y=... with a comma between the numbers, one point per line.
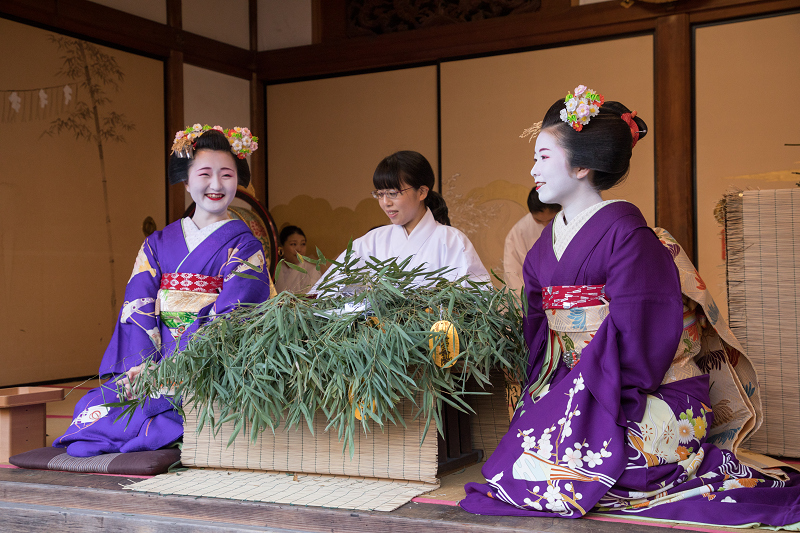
x=628, y=429
x=171, y=293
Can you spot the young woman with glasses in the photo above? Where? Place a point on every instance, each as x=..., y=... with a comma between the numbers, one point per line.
x=420, y=227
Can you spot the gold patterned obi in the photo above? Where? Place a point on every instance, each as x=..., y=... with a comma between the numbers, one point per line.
x=574, y=314
x=181, y=297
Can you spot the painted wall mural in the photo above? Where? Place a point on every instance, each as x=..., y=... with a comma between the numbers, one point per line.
x=98, y=73
x=77, y=181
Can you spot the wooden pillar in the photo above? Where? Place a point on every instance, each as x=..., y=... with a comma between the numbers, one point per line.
x=258, y=167
x=173, y=88
x=331, y=21
x=674, y=130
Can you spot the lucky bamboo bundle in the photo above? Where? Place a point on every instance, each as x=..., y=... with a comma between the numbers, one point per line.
x=354, y=352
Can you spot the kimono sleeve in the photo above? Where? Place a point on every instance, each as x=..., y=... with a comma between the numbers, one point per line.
x=635, y=345
x=459, y=253
x=136, y=333
x=535, y=323
x=246, y=279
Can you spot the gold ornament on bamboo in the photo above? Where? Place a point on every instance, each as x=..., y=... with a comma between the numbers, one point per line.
x=373, y=322
x=360, y=406
x=442, y=355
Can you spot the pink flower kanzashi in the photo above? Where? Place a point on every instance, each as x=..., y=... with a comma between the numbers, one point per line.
x=579, y=90
x=583, y=111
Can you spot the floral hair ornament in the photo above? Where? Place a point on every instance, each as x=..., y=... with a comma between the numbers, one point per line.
x=241, y=140
x=581, y=107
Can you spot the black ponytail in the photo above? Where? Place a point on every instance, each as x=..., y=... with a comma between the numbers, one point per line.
x=435, y=202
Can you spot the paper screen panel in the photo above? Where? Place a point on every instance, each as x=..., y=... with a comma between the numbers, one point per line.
x=487, y=102
x=327, y=136
x=742, y=146
x=56, y=264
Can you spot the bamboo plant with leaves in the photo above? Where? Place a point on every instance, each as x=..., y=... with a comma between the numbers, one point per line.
x=352, y=354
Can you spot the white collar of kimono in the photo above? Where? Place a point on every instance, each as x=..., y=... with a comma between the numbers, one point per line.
x=406, y=244
x=564, y=232
x=195, y=236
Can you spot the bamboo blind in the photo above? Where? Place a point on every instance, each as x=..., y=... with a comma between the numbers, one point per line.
x=761, y=230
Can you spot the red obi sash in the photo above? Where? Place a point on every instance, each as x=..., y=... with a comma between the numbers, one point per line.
x=569, y=296
x=182, y=281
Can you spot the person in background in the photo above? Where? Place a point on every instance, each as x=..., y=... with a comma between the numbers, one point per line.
x=522, y=237
x=293, y=242
x=419, y=224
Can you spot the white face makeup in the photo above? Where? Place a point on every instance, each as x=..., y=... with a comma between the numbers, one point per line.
x=556, y=180
x=407, y=209
x=212, y=184
x=559, y=183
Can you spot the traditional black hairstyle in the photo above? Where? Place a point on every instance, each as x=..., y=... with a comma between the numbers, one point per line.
x=178, y=169
x=604, y=145
x=537, y=206
x=287, y=232
x=413, y=169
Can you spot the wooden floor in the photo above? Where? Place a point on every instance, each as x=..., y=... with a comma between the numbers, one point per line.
x=46, y=501
x=38, y=500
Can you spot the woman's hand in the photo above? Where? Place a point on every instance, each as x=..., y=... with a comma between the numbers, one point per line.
x=130, y=375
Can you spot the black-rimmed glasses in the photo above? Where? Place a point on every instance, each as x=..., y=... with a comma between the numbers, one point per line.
x=390, y=195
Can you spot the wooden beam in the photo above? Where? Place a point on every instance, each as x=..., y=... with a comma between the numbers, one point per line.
x=557, y=23
x=332, y=20
x=258, y=173
x=109, y=26
x=173, y=113
x=258, y=125
x=44, y=501
x=316, y=21
x=673, y=126
x=742, y=10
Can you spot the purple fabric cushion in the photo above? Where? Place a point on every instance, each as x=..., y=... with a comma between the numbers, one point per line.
x=146, y=463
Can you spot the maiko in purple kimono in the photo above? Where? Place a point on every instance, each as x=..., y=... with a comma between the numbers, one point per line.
x=628, y=354
x=183, y=276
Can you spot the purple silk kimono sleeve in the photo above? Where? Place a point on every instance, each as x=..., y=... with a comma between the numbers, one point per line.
x=137, y=333
x=534, y=322
x=636, y=344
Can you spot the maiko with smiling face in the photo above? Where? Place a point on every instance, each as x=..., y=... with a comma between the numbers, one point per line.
x=212, y=181
x=419, y=224
x=183, y=276
x=619, y=414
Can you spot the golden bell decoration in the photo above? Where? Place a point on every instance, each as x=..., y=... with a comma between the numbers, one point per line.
x=360, y=406
x=443, y=355
x=373, y=322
